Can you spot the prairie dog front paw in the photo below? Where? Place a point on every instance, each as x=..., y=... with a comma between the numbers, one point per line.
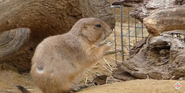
x=109, y=43
x=103, y=42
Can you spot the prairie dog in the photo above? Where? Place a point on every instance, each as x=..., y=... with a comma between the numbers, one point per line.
x=59, y=59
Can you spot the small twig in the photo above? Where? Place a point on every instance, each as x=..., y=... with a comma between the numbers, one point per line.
x=8, y=91
x=107, y=64
x=113, y=52
x=107, y=68
x=172, y=77
x=92, y=72
x=116, y=60
x=30, y=89
x=86, y=80
x=148, y=77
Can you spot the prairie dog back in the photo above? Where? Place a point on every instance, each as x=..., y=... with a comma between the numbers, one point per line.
x=59, y=59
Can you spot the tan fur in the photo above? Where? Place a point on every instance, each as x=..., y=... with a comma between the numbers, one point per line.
x=59, y=59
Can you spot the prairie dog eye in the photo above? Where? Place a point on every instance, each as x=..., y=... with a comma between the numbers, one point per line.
x=98, y=25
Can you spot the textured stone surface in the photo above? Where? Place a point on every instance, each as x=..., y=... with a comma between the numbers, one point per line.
x=158, y=15
x=163, y=20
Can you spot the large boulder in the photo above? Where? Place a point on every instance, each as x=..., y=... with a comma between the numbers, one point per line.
x=162, y=20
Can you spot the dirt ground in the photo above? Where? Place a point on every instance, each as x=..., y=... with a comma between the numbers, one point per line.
x=138, y=86
x=9, y=80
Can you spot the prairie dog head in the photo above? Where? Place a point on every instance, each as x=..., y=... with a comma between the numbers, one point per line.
x=93, y=29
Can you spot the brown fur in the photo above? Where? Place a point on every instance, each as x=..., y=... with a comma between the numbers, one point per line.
x=59, y=59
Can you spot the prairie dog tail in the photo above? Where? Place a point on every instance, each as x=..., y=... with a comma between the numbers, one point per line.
x=23, y=90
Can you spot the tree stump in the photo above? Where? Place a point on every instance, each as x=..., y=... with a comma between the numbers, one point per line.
x=157, y=57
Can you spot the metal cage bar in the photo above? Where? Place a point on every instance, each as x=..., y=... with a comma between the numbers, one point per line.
x=127, y=30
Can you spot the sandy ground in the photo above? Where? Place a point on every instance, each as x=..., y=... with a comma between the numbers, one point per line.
x=138, y=86
x=9, y=80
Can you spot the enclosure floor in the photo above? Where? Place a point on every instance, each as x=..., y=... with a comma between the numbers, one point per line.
x=9, y=80
x=138, y=86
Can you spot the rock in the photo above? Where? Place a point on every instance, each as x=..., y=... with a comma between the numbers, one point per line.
x=158, y=15
x=165, y=20
x=143, y=8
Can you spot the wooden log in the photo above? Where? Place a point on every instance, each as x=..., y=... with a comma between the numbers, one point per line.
x=159, y=57
x=11, y=41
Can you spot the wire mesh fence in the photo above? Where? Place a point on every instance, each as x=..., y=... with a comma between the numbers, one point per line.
x=127, y=32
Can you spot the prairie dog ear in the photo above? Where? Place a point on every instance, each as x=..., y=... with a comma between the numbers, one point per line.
x=90, y=33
